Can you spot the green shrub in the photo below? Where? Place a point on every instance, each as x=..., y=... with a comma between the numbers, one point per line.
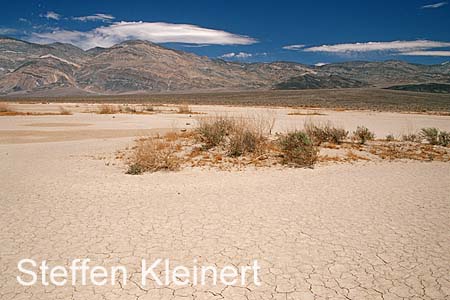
x=435, y=136
x=298, y=149
x=363, y=134
x=321, y=133
x=390, y=138
x=431, y=135
x=245, y=140
x=212, y=131
x=411, y=137
x=444, y=138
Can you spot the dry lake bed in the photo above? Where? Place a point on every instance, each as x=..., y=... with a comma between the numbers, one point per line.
x=361, y=230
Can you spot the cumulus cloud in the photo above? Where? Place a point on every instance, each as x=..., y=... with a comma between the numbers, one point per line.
x=157, y=32
x=427, y=53
x=435, y=5
x=51, y=15
x=240, y=55
x=294, y=47
x=393, y=47
x=95, y=17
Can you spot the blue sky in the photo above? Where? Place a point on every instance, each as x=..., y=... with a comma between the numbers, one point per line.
x=308, y=32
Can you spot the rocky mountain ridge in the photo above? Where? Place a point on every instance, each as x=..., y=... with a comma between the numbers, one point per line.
x=144, y=67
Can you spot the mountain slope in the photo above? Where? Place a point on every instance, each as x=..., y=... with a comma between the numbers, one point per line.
x=318, y=82
x=139, y=66
x=441, y=88
x=388, y=72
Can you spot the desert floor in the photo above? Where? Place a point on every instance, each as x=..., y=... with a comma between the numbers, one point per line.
x=340, y=231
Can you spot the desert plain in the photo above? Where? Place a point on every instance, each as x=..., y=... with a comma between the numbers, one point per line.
x=366, y=229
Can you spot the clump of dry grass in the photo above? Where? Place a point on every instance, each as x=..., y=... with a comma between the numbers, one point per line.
x=184, y=109
x=213, y=130
x=154, y=154
x=128, y=109
x=106, y=109
x=298, y=149
x=306, y=113
x=149, y=108
x=411, y=137
x=390, y=138
x=64, y=111
x=434, y=136
x=325, y=132
x=362, y=134
x=238, y=136
x=4, y=107
x=246, y=137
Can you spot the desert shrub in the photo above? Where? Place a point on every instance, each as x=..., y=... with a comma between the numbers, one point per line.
x=390, y=138
x=321, y=133
x=128, y=109
x=212, y=131
x=237, y=135
x=411, y=137
x=184, y=109
x=64, y=111
x=153, y=155
x=149, y=108
x=298, y=149
x=444, y=138
x=363, y=134
x=435, y=136
x=248, y=135
x=108, y=109
x=431, y=135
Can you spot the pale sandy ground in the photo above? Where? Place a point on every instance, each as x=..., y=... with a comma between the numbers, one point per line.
x=344, y=231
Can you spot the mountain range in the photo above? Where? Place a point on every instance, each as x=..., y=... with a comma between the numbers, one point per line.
x=143, y=67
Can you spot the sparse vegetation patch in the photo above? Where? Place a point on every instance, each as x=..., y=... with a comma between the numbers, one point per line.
x=228, y=143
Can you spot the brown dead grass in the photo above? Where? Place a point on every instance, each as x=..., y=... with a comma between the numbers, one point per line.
x=154, y=154
x=106, y=109
x=4, y=107
x=410, y=151
x=63, y=111
x=306, y=113
x=7, y=111
x=184, y=109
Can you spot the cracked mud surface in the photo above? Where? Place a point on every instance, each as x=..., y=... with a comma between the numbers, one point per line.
x=361, y=231
x=373, y=231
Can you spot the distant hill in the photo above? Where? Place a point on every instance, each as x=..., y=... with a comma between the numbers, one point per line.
x=424, y=88
x=318, y=82
x=143, y=67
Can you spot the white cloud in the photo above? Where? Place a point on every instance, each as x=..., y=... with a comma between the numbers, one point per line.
x=51, y=15
x=228, y=55
x=321, y=64
x=107, y=36
x=436, y=5
x=395, y=46
x=427, y=53
x=95, y=17
x=294, y=47
x=8, y=30
x=240, y=55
